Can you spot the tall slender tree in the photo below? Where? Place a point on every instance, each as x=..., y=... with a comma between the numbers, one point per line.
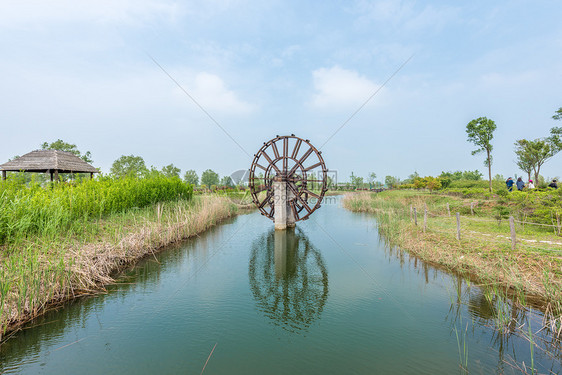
x=480, y=132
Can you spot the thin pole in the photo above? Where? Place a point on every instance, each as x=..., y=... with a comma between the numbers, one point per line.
x=458, y=226
x=415, y=216
x=448, y=209
x=425, y=218
x=512, y=228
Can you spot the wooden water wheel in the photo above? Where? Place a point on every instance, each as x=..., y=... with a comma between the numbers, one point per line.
x=298, y=163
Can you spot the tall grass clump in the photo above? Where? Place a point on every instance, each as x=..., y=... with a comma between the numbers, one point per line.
x=32, y=209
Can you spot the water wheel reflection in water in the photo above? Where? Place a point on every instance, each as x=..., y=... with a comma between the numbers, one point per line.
x=288, y=279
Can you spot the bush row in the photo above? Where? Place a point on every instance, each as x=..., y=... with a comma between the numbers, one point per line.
x=29, y=208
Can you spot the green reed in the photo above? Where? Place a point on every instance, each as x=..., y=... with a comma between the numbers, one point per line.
x=27, y=209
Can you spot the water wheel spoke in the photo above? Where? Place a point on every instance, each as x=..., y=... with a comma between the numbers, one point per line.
x=266, y=200
x=303, y=202
x=275, y=150
x=294, y=210
x=301, y=160
x=271, y=163
x=285, y=153
x=296, y=149
x=311, y=193
x=261, y=188
x=260, y=166
x=313, y=166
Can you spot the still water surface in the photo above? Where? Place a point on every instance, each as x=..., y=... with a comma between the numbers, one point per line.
x=329, y=298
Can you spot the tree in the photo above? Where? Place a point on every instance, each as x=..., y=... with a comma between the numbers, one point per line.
x=391, y=181
x=454, y=176
x=191, y=177
x=171, y=171
x=209, y=178
x=474, y=175
x=480, y=132
x=558, y=114
x=356, y=181
x=129, y=166
x=537, y=152
x=412, y=178
x=61, y=145
x=226, y=181
x=524, y=159
x=372, y=177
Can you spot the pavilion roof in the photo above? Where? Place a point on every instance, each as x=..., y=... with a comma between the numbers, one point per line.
x=49, y=160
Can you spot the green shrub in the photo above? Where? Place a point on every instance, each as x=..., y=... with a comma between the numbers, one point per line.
x=57, y=207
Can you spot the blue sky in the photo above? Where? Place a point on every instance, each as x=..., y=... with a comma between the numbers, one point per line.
x=82, y=71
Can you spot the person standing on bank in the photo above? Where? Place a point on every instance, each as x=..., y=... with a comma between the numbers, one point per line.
x=509, y=184
x=520, y=184
x=530, y=185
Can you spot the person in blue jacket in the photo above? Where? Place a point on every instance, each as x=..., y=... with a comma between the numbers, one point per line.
x=520, y=184
x=509, y=184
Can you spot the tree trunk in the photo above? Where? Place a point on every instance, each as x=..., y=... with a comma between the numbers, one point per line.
x=536, y=181
x=489, y=170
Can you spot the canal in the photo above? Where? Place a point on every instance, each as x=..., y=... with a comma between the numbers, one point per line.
x=330, y=297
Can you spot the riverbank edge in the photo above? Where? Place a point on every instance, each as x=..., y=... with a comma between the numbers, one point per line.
x=465, y=258
x=93, y=266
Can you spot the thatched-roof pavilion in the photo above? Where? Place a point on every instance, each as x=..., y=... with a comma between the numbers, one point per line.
x=48, y=161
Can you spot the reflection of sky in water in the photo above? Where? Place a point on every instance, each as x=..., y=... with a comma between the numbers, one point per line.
x=386, y=312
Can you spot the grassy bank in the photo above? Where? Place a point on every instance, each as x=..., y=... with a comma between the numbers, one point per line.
x=531, y=272
x=44, y=268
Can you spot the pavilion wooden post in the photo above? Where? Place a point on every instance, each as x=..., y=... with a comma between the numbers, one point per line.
x=3, y=175
x=91, y=175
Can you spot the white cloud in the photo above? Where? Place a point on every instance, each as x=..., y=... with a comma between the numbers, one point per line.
x=338, y=88
x=211, y=92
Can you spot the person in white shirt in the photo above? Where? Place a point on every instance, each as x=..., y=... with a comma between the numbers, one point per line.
x=530, y=185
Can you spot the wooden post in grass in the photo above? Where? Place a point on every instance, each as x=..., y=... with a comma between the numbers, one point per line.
x=425, y=218
x=512, y=228
x=458, y=226
x=472, y=208
x=415, y=216
x=448, y=209
x=411, y=213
